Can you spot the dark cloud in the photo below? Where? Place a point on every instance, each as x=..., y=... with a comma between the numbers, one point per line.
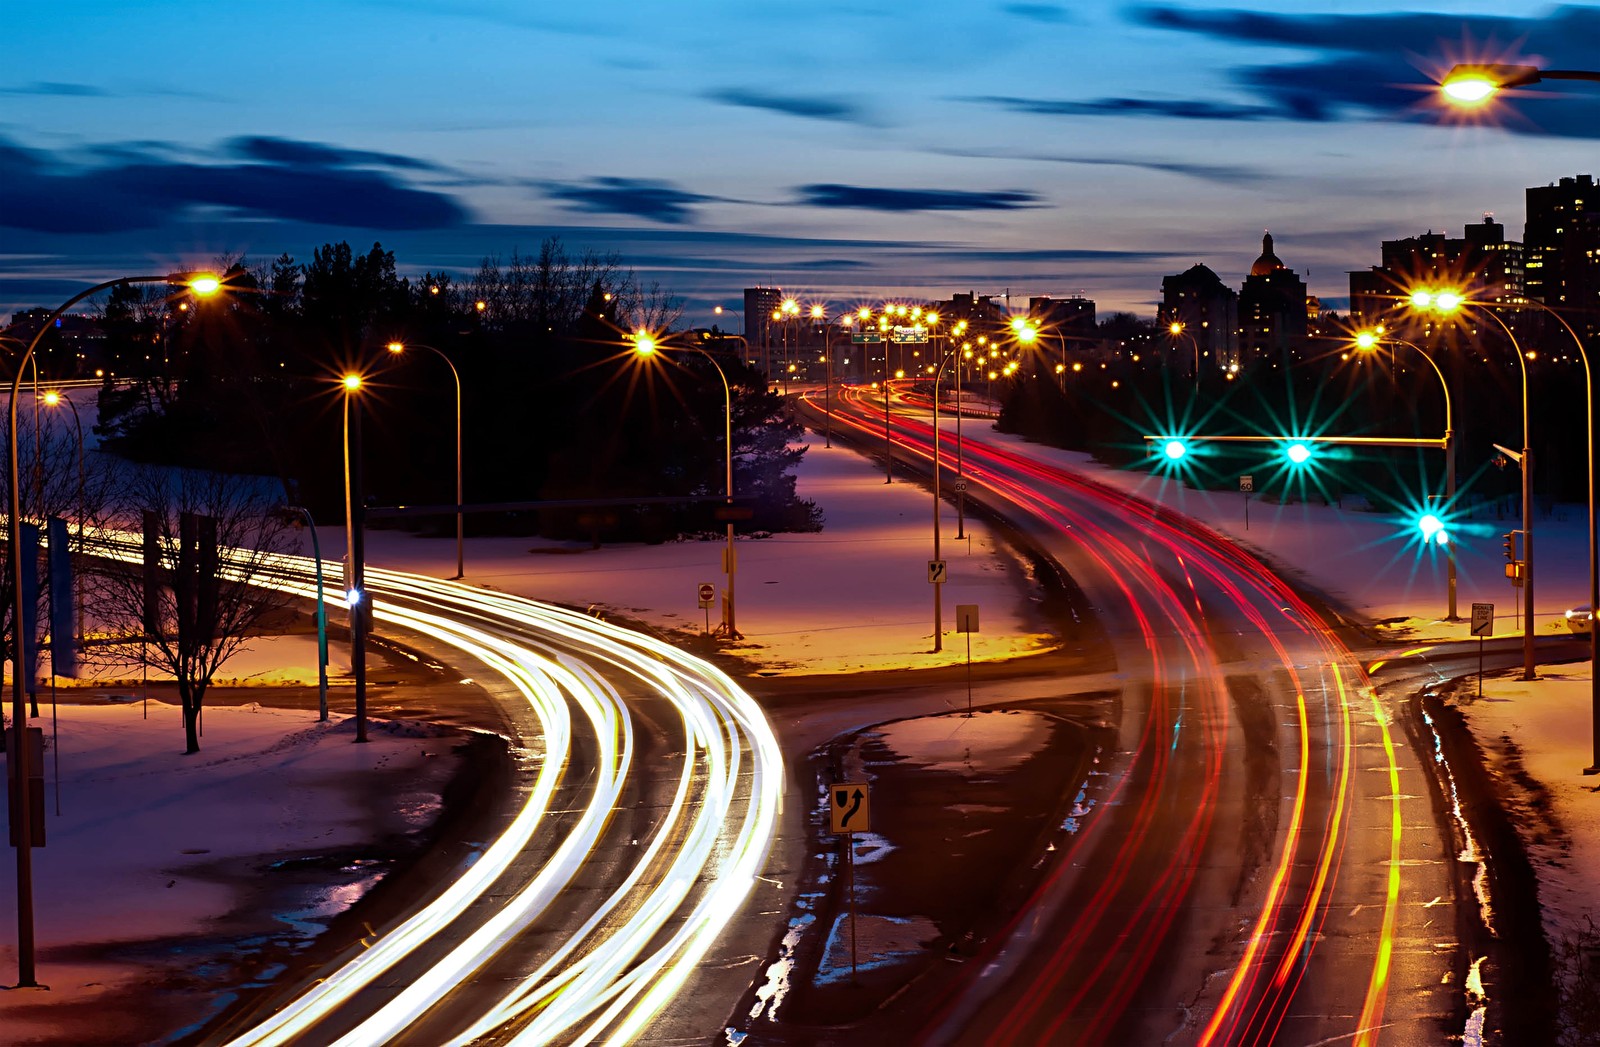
x=1039, y=12
x=640, y=197
x=53, y=87
x=897, y=200
x=1181, y=108
x=815, y=108
x=1056, y=254
x=142, y=190
x=1370, y=62
x=292, y=153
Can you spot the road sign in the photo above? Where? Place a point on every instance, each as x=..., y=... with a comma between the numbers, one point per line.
x=961, y=485
x=708, y=592
x=936, y=572
x=865, y=337
x=1247, y=484
x=849, y=808
x=733, y=512
x=1482, y=619
x=917, y=335
x=966, y=617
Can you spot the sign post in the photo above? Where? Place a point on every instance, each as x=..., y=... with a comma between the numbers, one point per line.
x=707, y=593
x=1482, y=625
x=1246, y=485
x=850, y=812
x=967, y=622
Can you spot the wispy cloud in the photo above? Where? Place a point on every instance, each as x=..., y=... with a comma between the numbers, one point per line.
x=640, y=197
x=1188, y=109
x=898, y=200
x=288, y=151
x=1225, y=174
x=57, y=88
x=1050, y=13
x=814, y=107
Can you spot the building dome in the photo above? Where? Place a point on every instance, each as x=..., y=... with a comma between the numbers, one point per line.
x=1268, y=263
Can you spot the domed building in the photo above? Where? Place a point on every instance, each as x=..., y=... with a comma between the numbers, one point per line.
x=1272, y=308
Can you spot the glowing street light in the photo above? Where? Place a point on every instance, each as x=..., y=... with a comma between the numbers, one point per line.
x=1449, y=301
x=646, y=345
x=1475, y=85
x=1368, y=341
x=398, y=348
x=358, y=607
x=204, y=285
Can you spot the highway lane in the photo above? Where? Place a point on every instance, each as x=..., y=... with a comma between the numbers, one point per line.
x=1265, y=865
x=650, y=785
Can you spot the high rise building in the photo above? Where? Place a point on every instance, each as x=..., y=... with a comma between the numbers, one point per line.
x=1562, y=247
x=1208, y=309
x=1483, y=265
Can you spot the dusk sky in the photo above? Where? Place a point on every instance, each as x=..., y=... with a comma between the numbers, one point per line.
x=842, y=150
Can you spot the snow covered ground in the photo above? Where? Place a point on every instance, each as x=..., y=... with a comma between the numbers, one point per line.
x=850, y=598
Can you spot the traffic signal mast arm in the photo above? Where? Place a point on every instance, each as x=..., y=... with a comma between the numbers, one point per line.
x=1365, y=441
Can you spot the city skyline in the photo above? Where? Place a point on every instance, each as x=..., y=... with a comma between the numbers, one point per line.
x=1028, y=147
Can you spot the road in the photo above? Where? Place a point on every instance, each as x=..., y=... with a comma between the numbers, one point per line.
x=649, y=785
x=1265, y=864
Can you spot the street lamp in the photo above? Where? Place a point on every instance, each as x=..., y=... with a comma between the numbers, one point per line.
x=1474, y=85
x=356, y=599
x=938, y=585
x=1368, y=341
x=53, y=398
x=645, y=345
x=398, y=348
x=819, y=313
x=1176, y=329
x=299, y=512
x=202, y=284
x=1445, y=303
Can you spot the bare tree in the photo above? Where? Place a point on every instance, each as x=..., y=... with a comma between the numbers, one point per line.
x=189, y=634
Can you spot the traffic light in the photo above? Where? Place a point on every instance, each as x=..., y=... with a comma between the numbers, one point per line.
x=1432, y=529
x=1174, y=449
x=1511, y=546
x=1298, y=453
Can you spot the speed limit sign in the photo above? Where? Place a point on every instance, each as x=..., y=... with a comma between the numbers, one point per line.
x=1247, y=483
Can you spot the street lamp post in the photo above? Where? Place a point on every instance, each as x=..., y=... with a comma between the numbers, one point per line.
x=1177, y=328
x=961, y=472
x=1371, y=339
x=1594, y=560
x=646, y=345
x=1472, y=85
x=53, y=398
x=461, y=531
x=356, y=597
x=938, y=585
x=200, y=284
x=300, y=512
x=1447, y=302
x=818, y=313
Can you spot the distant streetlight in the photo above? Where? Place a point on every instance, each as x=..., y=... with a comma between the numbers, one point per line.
x=202, y=284
x=1475, y=85
x=1177, y=329
x=397, y=348
x=646, y=345
x=1445, y=303
x=356, y=599
x=1368, y=341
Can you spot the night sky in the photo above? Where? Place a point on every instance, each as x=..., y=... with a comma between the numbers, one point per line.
x=841, y=150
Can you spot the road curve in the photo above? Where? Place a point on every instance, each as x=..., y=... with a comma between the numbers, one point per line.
x=649, y=802
x=1264, y=865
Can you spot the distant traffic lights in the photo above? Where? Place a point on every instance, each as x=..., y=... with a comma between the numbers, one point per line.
x=1432, y=529
x=1298, y=453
